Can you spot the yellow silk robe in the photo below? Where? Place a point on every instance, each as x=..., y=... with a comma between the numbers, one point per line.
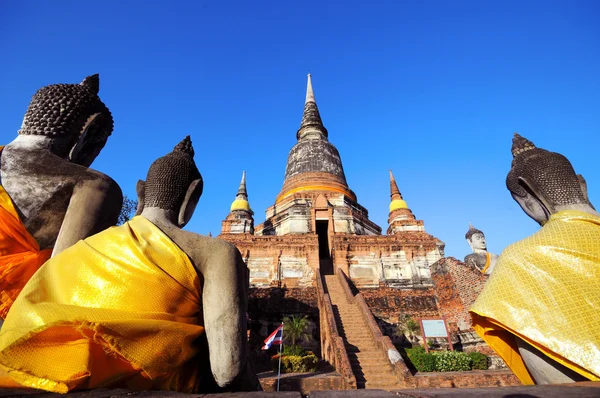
x=20, y=254
x=118, y=309
x=545, y=289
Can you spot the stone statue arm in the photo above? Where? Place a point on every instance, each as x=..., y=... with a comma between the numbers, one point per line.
x=94, y=206
x=225, y=300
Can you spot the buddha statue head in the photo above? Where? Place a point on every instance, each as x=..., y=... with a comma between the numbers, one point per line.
x=173, y=184
x=475, y=239
x=544, y=182
x=72, y=118
x=480, y=258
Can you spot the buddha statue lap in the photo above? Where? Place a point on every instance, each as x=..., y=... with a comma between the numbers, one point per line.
x=151, y=306
x=538, y=310
x=49, y=197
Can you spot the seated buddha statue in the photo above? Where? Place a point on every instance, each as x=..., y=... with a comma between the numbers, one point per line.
x=144, y=305
x=49, y=197
x=480, y=259
x=539, y=309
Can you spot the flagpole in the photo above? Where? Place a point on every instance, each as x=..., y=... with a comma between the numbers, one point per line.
x=280, y=347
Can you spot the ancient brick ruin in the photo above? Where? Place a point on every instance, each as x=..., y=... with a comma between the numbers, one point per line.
x=316, y=227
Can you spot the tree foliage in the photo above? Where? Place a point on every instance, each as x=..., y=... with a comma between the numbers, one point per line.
x=127, y=210
x=407, y=327
x=295, y=329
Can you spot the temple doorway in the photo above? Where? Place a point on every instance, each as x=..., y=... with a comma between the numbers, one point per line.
x=325, y=263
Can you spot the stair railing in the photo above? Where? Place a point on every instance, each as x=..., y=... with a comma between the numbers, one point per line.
x=383, y=343
x=333, y=349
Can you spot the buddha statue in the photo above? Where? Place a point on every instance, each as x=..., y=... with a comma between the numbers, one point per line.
x=539, y=309
x=49, y=197
x=481, y=259
x=150, y=307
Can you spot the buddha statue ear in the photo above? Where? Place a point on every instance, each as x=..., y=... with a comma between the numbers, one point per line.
x=92, y=139
x=192, y=196
x=140, y=189
x=533, y=202
x=583, y=185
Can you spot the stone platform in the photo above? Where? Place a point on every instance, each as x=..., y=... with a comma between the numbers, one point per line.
x=576, y=390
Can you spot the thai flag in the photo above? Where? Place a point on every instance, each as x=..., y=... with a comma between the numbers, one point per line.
x=275, y=338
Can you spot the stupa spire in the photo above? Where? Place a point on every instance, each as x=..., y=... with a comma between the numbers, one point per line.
x=242, y=193
x=240, y=219
x=401, y=218
x=241, y=199
x=310, y=95
x=397, y=201
x=311, y=125
x=394, y=191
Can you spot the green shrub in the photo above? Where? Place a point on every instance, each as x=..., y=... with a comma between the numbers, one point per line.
x=293, y=350
x=421, y=360
x=478, y=360
x=451, y=361
x=295, y=363
x=445, y=361
x=309, y=363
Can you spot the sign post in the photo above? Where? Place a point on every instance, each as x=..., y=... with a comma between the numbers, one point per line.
x=434, y=327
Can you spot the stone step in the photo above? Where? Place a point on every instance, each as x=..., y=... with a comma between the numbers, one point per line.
x=349, y=314
x=361, y=346
x=374, y=372
x=381, y=379
x=367, y=357
x=366, y=362
x=360, y=342
x=369, y=365
x=353, y=330
x=363, y=349
x=355, y=339
x=364, y=346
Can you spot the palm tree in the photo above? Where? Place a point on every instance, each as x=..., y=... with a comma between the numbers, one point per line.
x=407, y=327
x=295, y=329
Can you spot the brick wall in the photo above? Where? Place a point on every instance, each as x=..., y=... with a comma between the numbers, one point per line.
x=305, y=383
x=389, y=304
x=277, y=301
x=456, y=287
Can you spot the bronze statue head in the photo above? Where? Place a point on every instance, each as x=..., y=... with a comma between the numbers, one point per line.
x=543, y=182
x=74, y=115
x=173, y=183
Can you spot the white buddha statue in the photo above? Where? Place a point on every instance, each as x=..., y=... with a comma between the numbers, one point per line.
x=481, y=259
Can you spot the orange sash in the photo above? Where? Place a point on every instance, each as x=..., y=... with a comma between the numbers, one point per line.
x=20, y=254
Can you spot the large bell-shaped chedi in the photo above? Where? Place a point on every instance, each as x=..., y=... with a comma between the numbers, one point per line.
x=315, y=193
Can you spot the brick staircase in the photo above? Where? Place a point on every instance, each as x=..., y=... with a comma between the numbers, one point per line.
x=369, y=364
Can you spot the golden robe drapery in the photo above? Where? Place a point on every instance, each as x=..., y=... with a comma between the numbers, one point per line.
x=20, y=254
x=545, y=290
x=120, y=308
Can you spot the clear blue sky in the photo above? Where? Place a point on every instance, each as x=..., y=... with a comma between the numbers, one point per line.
x=433, y=90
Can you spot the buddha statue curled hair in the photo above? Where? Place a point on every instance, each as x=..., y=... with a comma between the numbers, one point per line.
x=63, y=109
x=170, y=176
x=546, y=175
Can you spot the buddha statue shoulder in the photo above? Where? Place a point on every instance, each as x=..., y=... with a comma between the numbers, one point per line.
x=480, y=259
x=166, y=309
x=49, y=197
x=45, y=170
x=546, y=283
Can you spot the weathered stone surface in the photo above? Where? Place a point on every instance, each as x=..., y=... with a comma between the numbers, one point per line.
x=352, y=394
x=456, y=287
x=578, y=390
x=126, y=393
